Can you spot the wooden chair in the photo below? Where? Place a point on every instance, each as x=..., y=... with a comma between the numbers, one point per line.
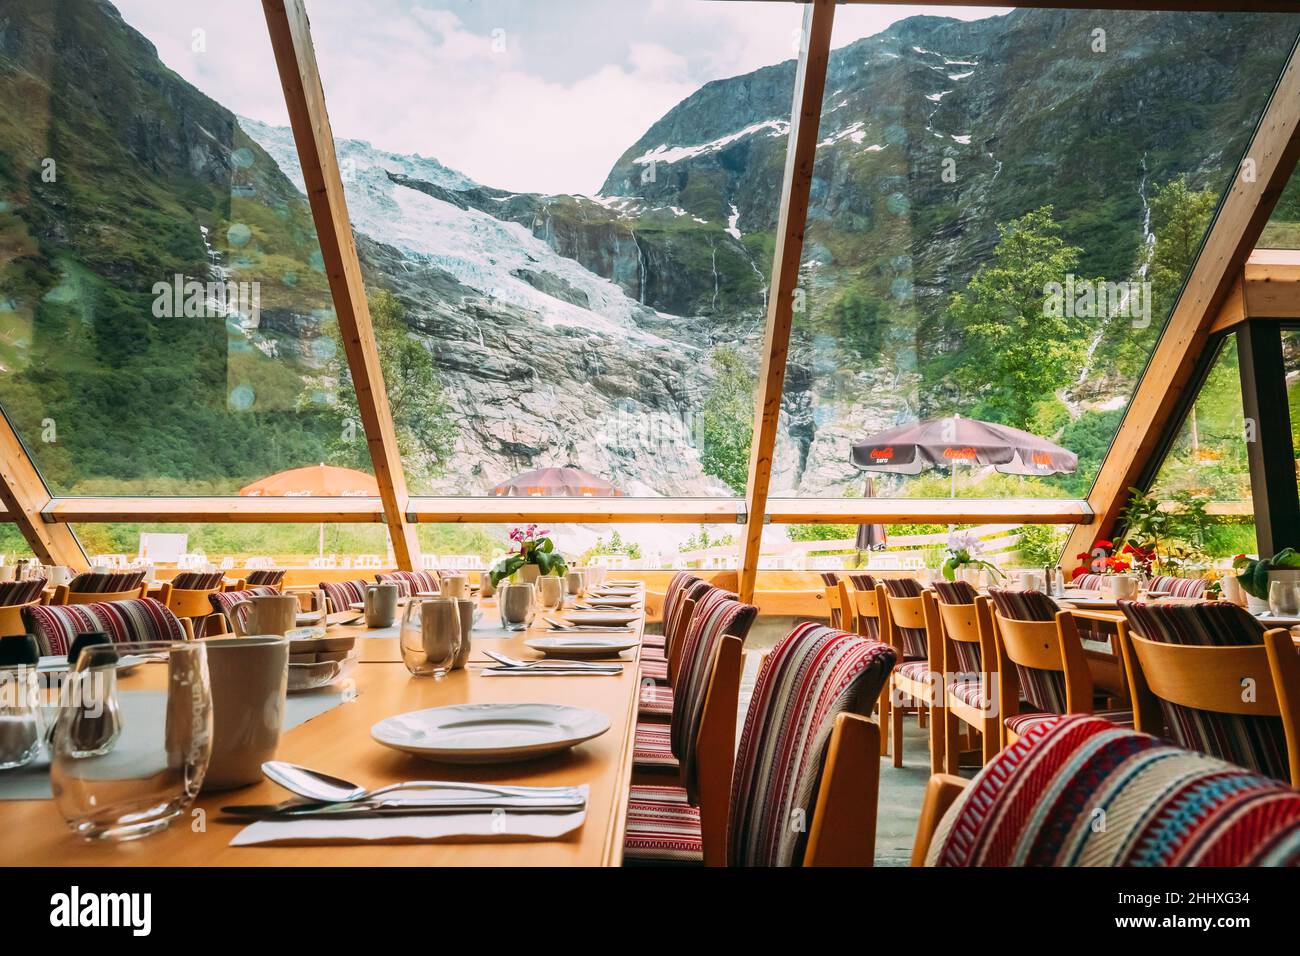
x=1040, y=660
x=659, y=665
x=832, y=587
x=915, y=684
x=797, y=710
x=187, y=596
x=1210, y=678
x=1101, y=797
x=97, y=587
x=11, y=618
x=965, y=625
x=859, y=606
x=698, y=745
x=132, y=620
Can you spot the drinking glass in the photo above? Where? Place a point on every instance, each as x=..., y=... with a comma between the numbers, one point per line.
x=430, y=636
x=133, y=737
x=550, y=592
x=21, y=726
x=1284, y=598
x=518, y=604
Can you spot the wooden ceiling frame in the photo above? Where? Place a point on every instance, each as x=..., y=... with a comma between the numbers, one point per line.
x=1215, y=282
x=295, y=58
x=796, y=182
x=26, y=497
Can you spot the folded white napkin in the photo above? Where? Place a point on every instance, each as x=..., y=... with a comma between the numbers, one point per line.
x=441, y=828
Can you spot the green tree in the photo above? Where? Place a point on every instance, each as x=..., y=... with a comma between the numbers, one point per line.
x=727, y=421
x=425, y=432
x=1016, y=350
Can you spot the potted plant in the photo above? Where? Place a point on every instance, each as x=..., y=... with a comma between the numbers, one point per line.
x=535, y=556
x=1253, y=574
x=961, y=557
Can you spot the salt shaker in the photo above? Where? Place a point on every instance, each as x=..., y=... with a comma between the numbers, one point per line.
x=21, y=732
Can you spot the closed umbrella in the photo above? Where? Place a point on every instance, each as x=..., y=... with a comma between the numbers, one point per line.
x=568, y=481
x=871, y=537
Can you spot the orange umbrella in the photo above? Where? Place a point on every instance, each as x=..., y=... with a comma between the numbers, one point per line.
x=314, y=481
x=568, y=481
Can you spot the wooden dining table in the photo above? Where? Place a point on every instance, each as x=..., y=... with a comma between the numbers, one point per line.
x=338, y=742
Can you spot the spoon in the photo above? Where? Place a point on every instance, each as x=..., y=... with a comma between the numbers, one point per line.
x=315, y=785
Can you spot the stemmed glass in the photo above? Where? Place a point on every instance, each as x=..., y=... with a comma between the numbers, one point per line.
x=133, y=737
x=430, y=636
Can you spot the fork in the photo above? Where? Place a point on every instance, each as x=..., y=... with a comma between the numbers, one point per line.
x=548, y=664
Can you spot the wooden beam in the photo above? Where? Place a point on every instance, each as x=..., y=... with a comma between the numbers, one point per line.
x=927, y=511
x=1241, y=217
x=268, y=510
x=1271, y=284
x=580, y=510
x=25, y=496
x=801, y=153
x=1269, y=450
x=295, y=57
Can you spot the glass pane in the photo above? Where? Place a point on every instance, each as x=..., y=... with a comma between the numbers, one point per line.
x=13, y=544
x=1283, y=228
x=567, y=257
x=998, y=231
x=165, y=322
x=1204, y=483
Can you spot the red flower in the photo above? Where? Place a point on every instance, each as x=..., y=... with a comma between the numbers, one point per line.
x=1103, y=543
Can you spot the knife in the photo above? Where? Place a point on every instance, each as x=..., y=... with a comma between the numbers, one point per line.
x=294, y=810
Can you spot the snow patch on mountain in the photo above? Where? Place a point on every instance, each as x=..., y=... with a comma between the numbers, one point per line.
x=664, y=153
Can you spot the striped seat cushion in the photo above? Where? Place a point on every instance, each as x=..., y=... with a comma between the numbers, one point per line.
x=20, y=592
x=1037, y=803
x=1021, y=723
x=654, y=640
x=270, y=577
x=656, y=671
x=197, y=580
x=1088, y=582
x=971, y=693
x=1257, y=743
x=677, y=586
x=656, y=701
x=105, y=582
x=967, y=653
x=914, y=639
x=411, y=582
x=955, y=592
x=1179, y=587
x=653, y=654
x=342, y=594
x=812, y=676
x=870, y=626
x=662, y=825
x=831, y=582
x=653, y=746
x=918, y=671
x=223, y=602
x=131, y=621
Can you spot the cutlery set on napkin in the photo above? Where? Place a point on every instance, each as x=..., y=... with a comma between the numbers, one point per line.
x=512, y=667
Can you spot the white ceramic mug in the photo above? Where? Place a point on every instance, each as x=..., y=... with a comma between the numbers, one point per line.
x=265, y=614
x=58, y=574
x=550, y=592
x=575, y=582
x=380, y=605
x=1122, y=587
x=248, y=676
x=485, y=588
x=455, y=586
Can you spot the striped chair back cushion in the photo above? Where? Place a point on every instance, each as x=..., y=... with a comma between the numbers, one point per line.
x=1043, y=689
x=716, y=615
x=1258, y=743
x=272, y=577
x=831, y=583
x=677, y=585
x=20, y=592
x=105, y=582
x=411, y=582
x=961, y=592
x=341, y=594
x=1035, y=804
x=197, y=580
x=139, y=619
x=915, y=645
x=1179, y=587
x=830, y=578
x=862, y=581
x=223, y=602
x=1088, y=582
x=808, y=679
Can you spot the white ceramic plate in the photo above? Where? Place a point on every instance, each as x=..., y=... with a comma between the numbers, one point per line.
x=361, y=605
x=614, y=600
x=612, y=618
x=309, y=617
x=584, y=645
x=489, y=733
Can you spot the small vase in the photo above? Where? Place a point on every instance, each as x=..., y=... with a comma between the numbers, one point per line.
x=529, y=573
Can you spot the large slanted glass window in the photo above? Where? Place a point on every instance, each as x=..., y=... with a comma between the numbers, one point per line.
x=1203, y=485
x=565, y=216
x=165, y=321
x=1283, y=228
x=999, y=228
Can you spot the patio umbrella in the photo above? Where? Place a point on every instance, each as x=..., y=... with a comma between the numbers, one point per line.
x=314, y=481
x=569, y=481
x=910, y=449
x=871, y=537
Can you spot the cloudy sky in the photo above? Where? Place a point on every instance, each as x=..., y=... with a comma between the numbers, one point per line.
x=537, y=95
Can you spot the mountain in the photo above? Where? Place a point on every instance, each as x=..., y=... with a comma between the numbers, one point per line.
x=584, y=327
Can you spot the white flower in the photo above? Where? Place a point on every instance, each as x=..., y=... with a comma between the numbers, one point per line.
x=967, y=541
